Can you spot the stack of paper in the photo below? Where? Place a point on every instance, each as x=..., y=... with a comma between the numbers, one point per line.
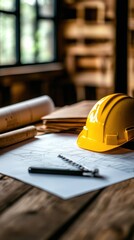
x=70, y=118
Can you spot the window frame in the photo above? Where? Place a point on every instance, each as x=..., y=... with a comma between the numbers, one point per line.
x=56, y=18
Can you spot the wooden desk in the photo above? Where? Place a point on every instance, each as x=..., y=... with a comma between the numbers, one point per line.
x=28, y=213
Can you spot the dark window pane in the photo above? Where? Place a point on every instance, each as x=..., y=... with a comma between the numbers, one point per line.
x=46, y=8
x=45, y=41
x=27, y=31
x=7, y=39
x=8, y=5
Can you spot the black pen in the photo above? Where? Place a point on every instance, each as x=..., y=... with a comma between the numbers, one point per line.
x=60, y=171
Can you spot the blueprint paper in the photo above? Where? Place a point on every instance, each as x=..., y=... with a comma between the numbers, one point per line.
x=44, y=150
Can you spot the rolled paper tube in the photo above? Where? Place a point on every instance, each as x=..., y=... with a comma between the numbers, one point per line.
x=16, y=136
x=24, y=113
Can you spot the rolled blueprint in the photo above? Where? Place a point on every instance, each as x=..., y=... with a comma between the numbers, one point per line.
x=23, y=113
x=15, y=136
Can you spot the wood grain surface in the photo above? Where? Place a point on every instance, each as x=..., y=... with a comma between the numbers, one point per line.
x=28, y=213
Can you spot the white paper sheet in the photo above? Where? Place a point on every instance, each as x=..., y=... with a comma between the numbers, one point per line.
x=43, y=151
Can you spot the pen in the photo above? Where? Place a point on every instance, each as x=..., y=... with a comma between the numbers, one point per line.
x=60, y=171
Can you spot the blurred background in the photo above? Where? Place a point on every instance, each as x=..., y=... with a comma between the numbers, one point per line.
x=70, y=50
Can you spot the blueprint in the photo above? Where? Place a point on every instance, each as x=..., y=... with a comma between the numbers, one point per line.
x=43, y=151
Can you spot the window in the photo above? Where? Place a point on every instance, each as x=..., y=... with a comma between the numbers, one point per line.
x=28, y=32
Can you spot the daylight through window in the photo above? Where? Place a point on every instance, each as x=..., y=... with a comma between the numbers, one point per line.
x=27, y=31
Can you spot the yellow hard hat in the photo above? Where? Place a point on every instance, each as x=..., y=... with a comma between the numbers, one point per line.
x=110, y=124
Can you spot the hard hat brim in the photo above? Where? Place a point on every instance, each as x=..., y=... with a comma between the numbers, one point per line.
x=91, y=145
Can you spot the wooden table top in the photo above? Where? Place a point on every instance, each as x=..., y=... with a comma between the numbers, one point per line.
x=28, y=213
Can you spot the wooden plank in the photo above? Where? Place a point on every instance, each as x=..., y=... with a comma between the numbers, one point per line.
x=41, y=68
x=111, y=217
x=93, y=78
x=39, y=215
x=79, y=29
x=100, y=49
x=10, y=190
x=96, y=63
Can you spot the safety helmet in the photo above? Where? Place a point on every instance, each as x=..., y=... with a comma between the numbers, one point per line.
x=110, y=124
